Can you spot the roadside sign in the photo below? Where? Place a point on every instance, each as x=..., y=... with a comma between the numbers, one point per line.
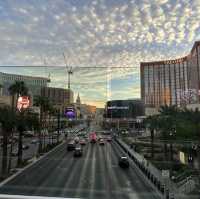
x=23, y=102
x=165, y=173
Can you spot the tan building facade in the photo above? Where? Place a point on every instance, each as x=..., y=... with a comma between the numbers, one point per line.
x=58, y=97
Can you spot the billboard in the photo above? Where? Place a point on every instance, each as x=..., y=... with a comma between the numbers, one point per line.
x=70, y=113
x=23, y=102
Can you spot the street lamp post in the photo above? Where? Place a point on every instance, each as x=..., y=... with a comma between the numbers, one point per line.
x=58, y=125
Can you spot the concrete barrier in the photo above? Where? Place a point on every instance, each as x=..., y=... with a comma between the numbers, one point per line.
x=152, y=173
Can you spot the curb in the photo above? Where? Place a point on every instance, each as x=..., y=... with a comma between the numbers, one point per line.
x=29, y=165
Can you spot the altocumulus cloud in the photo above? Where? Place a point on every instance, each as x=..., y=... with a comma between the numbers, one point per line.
x=103, y=33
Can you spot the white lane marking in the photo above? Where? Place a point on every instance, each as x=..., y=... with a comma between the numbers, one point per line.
x=83, y=177
x=3, y=196
x=93, y=166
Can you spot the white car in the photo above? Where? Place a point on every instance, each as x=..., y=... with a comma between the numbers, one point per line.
x=34, y=141
x=76, y=139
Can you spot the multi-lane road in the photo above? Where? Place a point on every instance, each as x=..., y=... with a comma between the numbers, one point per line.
x=94, y=175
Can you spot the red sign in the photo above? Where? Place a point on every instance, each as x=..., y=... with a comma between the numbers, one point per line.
x=23, y=102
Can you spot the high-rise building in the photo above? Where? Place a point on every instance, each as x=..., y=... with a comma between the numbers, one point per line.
x=34, y=84
x=172, y=82
x=58, y=97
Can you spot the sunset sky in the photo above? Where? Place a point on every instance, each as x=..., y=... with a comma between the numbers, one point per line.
x=113, y=36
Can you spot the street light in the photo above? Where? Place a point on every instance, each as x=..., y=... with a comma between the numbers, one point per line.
x=58, y=125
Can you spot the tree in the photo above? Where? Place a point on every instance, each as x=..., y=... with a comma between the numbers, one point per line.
x=0, y=88
x=7, y=123
x=44, y=104
x=21, y=127
x=53, y=114
x=17, y=89
x=168, y=124
x=194, y=117
x=152, y=124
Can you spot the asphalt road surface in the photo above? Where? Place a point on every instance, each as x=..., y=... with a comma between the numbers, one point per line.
x=94, y=175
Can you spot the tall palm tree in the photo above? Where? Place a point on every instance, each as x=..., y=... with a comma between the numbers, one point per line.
x=7, y=123
x=194, y=117
x=17, y=89
x=152, y=124
x=0, y=88
x=168, y=123
x=53, y=114
x=44, y=105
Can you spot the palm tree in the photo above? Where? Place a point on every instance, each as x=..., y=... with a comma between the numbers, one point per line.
x=168, y=123
x=44, y=105
x=0, y=88
x=194, y=117
x=152, y=124
x=17, y=89
x=52, y=114
x=7, y=123
x=21, y=127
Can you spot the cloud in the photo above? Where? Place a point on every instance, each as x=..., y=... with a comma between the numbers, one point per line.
x=96, y=33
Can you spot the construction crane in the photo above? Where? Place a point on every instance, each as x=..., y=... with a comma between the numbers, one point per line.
x=45, y=64
x=69, y=71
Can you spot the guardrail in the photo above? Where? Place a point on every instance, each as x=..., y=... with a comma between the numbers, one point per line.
x=153, y=174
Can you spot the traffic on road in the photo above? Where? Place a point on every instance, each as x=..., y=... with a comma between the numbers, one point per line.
x=88, y=164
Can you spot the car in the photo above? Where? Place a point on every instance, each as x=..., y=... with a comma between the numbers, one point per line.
x=28, y=133
x=10, y=141
x=101, y=142
x=16, y=138
x=123, y=162
x=25, y=146
x=76, y=139
x=78, y=152
x=100, y=137
x=14, y=153
x=34, y=141
x=109, y=139
x=71, y=146
x=82, y=142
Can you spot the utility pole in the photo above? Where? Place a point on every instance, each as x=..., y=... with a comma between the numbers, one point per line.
x=69, y=71
x=58, y=125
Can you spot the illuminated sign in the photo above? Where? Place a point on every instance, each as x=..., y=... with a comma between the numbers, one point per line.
x=70, y=113
x=23, y=102
x=175, y=61
x=117, y=107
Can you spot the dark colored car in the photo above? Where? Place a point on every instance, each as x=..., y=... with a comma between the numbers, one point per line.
x=25, y=147
x=78, y=152
x=82, y=142
x=14, y=153
x=34, y=141
x=71, y=146
x=109, y=139
x=123, y=162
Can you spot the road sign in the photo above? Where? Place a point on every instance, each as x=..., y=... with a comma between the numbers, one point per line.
x=165, y=173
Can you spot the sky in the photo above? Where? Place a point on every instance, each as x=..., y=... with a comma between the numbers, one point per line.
x=103, y=40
